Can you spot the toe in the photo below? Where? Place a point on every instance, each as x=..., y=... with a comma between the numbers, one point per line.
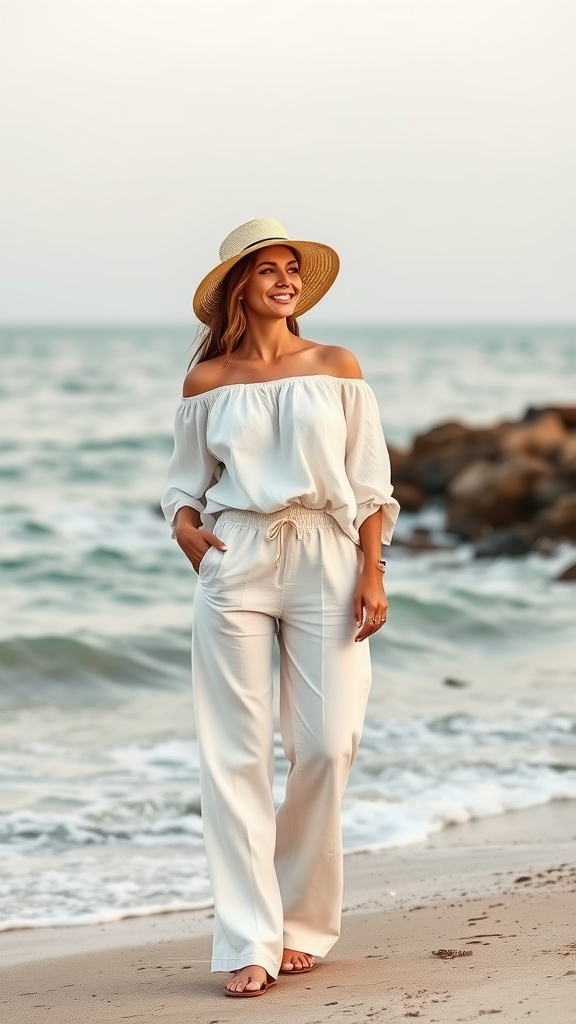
x=248, y=979
x=294, y=960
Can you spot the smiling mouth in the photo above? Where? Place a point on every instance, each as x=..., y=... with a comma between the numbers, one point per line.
x=282, y=297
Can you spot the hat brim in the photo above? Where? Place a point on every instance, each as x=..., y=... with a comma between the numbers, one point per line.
x=319, y=268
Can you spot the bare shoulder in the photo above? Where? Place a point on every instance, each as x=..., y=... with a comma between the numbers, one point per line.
x=338, y=361
x=202, y=377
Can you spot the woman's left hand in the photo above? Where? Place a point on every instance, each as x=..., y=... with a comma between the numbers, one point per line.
x=370, y=603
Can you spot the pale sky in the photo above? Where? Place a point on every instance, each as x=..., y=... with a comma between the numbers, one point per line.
x=431, y=142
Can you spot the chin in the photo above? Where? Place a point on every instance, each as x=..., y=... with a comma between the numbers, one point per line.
x=284, y=312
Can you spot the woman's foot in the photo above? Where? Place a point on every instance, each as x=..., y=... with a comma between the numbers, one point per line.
x=249, y=981
x=294, y=962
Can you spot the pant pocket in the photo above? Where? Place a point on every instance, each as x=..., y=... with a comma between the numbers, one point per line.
x=209, y=563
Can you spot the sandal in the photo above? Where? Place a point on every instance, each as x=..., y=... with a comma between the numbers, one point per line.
x=248, y=993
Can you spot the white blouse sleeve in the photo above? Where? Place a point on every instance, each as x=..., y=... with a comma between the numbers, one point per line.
x=193, y=468
x=367, y=458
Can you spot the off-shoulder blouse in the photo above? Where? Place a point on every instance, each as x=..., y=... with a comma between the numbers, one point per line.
x=313, y=440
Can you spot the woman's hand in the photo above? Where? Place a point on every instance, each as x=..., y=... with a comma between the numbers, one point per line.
x=195, y=542
x=370, y=603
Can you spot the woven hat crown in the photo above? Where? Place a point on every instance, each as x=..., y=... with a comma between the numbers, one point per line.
x=254, y=232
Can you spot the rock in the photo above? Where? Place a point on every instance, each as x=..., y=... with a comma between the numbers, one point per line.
x=547, y=488
x=545, y=545
x=422, y=539
x=495, y=481
x=398, y=458
x=435, y=471
x=439, y=454
x=473, y=482
x=543, y=435
x=455, y=682
x=558, y=520
x=492, y=494
x=567, y=455
x=502, y=542
x=486, y=483
x=568, y=575
x=445, y=434
x=567, y=414
x=411, y=496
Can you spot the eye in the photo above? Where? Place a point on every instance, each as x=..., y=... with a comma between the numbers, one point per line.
x=294, y=270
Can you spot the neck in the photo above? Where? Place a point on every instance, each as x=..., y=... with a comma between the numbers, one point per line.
x=265, y=339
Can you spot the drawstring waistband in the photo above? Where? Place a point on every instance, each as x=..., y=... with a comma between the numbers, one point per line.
x=298, y=516
x=275, y=530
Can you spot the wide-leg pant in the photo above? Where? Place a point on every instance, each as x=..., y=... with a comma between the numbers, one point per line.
x=276, y=878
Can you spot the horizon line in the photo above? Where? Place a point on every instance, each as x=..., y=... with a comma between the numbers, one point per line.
x=328, y=324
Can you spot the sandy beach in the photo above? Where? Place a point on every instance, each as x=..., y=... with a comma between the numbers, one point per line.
x=500, y=893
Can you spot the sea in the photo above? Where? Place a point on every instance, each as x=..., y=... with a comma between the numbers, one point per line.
x=473, y=706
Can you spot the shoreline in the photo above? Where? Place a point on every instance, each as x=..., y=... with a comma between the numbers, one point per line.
x=459, y=890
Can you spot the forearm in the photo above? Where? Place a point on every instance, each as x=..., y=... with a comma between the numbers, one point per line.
x=370, y=540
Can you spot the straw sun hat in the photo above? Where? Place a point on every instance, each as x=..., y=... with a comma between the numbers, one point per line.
x=318, y=269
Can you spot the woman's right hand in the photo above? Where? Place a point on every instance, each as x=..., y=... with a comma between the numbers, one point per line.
x=195, y=542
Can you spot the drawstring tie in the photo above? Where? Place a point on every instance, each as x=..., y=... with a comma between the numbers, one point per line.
x=275, y=531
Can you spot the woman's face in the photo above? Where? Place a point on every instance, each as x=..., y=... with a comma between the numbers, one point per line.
x=274, y=286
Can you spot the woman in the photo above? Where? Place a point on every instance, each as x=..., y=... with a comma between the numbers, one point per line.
x=279, y=495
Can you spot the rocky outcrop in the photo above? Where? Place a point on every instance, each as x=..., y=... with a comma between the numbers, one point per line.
x=509, y=541
x=568, y=575
x=436, y=457
x=558, y=520
x=493, y=493
x=506, y=487
x=412, y=497
x=541, y=435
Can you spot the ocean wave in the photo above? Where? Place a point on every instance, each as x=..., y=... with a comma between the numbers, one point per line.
x=393, y=806
x=41, y=668
x=148, y=822
x=121, y=833
x=99, y=887
x=510, y=726
x=104, y=884
x=63, y=920
x=411, y=808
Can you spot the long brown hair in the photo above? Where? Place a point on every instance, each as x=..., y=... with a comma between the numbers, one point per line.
x=226, y=328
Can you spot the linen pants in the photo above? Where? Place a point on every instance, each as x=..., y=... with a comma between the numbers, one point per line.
x=276, y=878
